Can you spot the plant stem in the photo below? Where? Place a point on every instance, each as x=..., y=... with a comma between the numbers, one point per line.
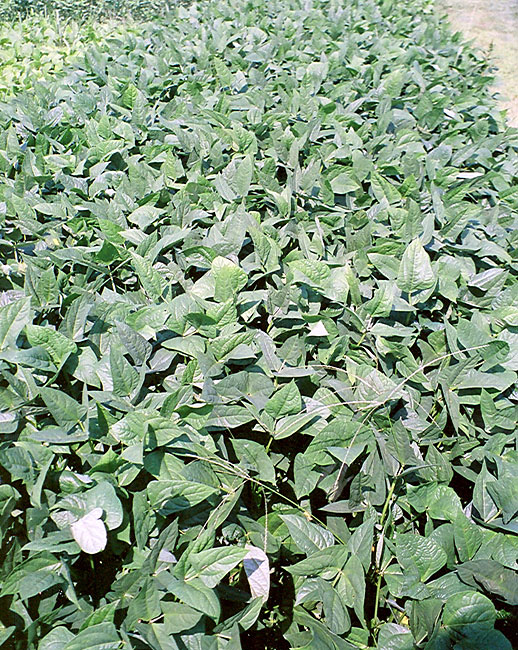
x=384, y=512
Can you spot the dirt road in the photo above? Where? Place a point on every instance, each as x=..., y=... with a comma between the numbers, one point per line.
x=493, y=25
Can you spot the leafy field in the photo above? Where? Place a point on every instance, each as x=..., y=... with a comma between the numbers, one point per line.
x=258, y=334
x=84, y=9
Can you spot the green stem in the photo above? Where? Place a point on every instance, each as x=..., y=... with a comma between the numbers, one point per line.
x=384, y=512
x=374, y=621
x=388, y=500
x=230, y=469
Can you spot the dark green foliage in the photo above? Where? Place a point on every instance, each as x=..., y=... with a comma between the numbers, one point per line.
x=258, y=337
x=83, y=9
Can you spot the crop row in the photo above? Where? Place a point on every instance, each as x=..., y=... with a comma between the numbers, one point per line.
x=258, y=333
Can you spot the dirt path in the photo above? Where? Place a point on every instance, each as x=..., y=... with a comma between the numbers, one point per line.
x=493, y=24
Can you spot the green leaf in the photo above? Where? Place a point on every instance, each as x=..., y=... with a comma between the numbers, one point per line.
x=419, y=555
x=193, y=593
x=97, y=637
x=176, y=495
x=179, y=617
x=13, y=318
x=482, y=500
x=287, y=426
x=415, y=271
x=103, y=496
x=228, y=279
x=129, y=96
x=146, y=606
x=56, y=639
x=395, y=637
x=243, y=176
x=57, y=346
x=495, y=578
x=336, y=615
x=468, y=537
x=285, y=401
x=343, y=183
x=166, y=539
x=468, y=608
x=316, y=274
x=212, y=565
x=326, y=562
x=18, y=462
x=142, y=519
x=124, y=377
x=151, y=280
x=63, y=408
x=308, y=537
x=136, y=345
x=253, y=457
x=504, y=493
x=103, y=614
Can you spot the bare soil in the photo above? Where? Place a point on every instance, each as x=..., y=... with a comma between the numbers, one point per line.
x=493, y=26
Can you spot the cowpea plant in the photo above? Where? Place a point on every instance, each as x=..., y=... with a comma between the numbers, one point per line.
x=258, y=335
x=86, y=10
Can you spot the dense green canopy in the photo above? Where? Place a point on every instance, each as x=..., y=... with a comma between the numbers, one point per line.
x=258, y=333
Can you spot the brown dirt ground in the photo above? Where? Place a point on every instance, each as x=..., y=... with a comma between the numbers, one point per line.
x=493, y=26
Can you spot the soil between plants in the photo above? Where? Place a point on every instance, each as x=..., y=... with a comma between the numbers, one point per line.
x=493, y=26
